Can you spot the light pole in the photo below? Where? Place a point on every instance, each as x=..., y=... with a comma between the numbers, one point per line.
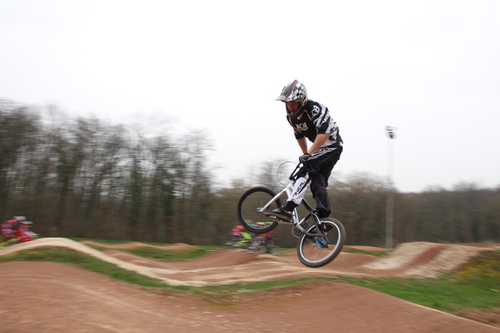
x=391, y=132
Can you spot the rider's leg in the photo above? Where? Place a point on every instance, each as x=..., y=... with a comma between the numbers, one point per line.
x=320, y=194
x=309, y=172
x=319, y=182
x=246, y=238
x=239, y=242
x=299, y=189
x=320, y=163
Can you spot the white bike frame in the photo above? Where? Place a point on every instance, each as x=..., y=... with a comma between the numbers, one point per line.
x=288, y=190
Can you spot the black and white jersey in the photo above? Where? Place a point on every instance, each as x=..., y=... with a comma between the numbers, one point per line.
x=315, y=119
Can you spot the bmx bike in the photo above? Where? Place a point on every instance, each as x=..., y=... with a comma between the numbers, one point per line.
x=320, y=240
x=253, y=242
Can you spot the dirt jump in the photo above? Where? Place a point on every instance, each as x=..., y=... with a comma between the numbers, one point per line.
x=55, y=297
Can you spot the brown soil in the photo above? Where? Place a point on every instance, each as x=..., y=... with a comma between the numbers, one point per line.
x=54, y=297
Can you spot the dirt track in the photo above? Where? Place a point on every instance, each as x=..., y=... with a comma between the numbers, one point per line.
x=52, y=297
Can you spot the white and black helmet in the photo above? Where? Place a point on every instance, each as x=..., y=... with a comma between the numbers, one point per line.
x=294, y=92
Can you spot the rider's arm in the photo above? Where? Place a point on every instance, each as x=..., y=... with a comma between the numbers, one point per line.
x=303, y=144
x=318, y=142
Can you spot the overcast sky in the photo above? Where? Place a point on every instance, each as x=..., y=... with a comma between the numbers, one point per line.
x=429, y=68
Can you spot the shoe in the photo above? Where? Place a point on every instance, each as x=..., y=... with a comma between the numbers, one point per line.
x=280, y=214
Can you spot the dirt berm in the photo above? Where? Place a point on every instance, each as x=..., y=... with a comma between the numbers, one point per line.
x=54, y=297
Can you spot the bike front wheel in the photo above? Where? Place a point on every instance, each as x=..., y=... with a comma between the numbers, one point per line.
x=316, y=251
x=250, y=209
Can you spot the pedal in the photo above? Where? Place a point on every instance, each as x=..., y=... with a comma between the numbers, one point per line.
x=277, y=219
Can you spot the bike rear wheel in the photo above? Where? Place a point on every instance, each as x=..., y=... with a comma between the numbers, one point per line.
x=316, y=251
x=249, y=209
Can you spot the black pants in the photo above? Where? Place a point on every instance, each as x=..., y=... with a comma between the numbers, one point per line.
x=317, y=171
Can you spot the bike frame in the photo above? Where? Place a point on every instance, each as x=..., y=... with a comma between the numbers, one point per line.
x=296, y=221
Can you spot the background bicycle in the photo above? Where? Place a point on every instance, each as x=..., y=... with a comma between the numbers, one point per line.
x=243, y=239
x=320, y=241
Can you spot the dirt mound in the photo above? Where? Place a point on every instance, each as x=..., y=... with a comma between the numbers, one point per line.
x=351, y=260
x=365, y=248
x=156, y=273
x=343, y=260
x=423, y=259
x=55, y=298
x=236, y=266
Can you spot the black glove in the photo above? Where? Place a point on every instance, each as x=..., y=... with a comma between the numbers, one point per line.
x=304, y=158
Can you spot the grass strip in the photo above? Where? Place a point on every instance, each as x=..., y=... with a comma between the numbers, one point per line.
x=160, y=254
x=167, y=255
x=154, y=253
x=371, y=253
x=445, y=294
x=112, y=242
x=474, y=285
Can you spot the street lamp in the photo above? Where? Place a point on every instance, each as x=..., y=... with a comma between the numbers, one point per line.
x=391, y=132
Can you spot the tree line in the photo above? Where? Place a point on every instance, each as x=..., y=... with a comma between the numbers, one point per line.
x=84, y=177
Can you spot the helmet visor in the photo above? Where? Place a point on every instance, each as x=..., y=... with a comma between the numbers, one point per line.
x=287, y=94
